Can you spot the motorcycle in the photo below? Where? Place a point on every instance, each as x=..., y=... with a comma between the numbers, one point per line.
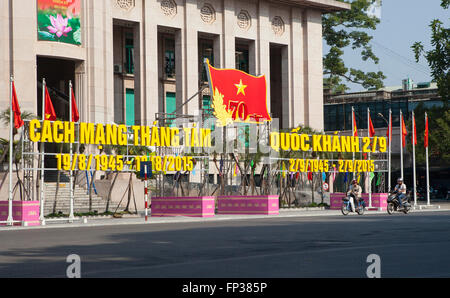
x=347, y=206
x=394, y=203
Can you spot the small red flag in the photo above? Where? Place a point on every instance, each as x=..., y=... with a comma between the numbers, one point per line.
x=18, y=122
x=404, y=132
x=75, y=114
x=371, y=128
x=49, y=110
x=355, y=128
x=426, y=133
x=415, y=131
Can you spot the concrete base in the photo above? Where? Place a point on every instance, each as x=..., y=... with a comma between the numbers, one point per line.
x=421, y=207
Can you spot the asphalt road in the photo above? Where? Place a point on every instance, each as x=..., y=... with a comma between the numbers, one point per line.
x=414, y=245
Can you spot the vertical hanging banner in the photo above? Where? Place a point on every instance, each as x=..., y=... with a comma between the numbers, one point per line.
x=238, y=96
x=59, y=20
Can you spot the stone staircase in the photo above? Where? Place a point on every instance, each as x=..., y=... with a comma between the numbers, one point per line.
x=81, y=199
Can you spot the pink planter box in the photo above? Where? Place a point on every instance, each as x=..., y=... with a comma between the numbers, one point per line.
x=249, y=205
x=379, y=200
x=183, y=206
x=24, y=211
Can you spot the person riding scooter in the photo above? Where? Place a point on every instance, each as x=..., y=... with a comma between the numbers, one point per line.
x=354, y=194
x=400, y=189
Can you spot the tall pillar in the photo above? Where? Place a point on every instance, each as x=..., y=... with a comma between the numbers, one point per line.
x=297, y=115
x=191, y=57
x=151, y=77
x=263, y=45
x=229, y=39
x=100, y=70
x=313, y=76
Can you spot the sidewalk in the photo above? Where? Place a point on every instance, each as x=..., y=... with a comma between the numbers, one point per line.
x=139, y=219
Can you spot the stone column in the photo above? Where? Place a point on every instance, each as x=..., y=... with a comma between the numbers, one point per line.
x=229, y=39
x=297, y=115
x=24, y=28
x=180, y=69
x=5, y=66
x=100, y=69
x=312, y=59
x=263, y=45
x=150, y=71
x=191, y=57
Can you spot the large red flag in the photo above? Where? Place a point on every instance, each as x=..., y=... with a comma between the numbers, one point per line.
x=238, y=96
x=75, y=115
x=404, y=132
x=355, y=128
x=371, y=128
x=49, y=110
x=18, y=122
x=415, y=130
x=426, y=133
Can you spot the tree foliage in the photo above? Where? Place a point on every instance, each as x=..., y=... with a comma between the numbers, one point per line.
x=348, y=28
x=438, y=57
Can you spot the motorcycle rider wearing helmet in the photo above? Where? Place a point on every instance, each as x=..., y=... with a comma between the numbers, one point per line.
x=354, y=193
x=400, y=188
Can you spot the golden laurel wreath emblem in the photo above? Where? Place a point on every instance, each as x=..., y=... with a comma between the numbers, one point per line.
x=223, y=116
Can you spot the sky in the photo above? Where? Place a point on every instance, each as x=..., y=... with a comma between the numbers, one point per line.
x=403, y=22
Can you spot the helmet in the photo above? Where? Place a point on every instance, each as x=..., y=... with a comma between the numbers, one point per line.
x=354, y=181
x=399, y=180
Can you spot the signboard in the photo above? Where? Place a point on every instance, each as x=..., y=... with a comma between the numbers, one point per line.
x=238, y=96
x=146, y=166
x=59, y=21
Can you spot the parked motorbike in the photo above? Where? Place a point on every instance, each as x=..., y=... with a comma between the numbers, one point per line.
x=347, y=206
x=394, y=203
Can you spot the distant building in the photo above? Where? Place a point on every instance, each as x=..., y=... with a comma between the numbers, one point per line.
x=338, y=112
x=338, y=108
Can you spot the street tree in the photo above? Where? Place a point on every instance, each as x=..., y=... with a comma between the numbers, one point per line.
x=438, y=57
x=350, y=29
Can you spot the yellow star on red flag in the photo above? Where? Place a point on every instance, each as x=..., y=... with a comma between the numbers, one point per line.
x=241, y=88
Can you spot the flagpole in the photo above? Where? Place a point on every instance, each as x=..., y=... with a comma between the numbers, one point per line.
x=368, y=134
x=428, y=166
x=414, y=157
x=10, y=220
x=401, y=144
x=42, y=218
x=390, y=150
x=353, y=135
x=71, y=216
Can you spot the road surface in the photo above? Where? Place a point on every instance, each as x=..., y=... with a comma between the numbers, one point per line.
x=414, y=245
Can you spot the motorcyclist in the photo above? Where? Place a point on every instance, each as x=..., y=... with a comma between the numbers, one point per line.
x=400, y=189
x=354, y=194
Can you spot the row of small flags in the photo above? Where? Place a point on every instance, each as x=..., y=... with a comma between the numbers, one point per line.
x=404, y=130
x=49, y=109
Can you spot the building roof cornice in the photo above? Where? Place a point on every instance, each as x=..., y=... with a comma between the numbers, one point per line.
x=325, y=6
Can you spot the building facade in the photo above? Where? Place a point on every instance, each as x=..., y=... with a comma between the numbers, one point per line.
x=136, y=58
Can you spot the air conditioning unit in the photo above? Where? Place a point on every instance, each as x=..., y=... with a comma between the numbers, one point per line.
x=118, y=68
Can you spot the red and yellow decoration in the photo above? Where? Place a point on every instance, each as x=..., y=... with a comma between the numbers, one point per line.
x=238, y=96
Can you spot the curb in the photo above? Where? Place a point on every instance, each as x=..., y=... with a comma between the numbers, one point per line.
x=140, y=220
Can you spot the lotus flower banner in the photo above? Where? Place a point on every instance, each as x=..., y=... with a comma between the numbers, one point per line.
x=59, y=20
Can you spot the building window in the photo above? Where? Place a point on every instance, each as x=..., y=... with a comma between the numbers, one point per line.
x=129, y=53
x=242, y=59
x=206, y=49
x=129, y=107
x=206, y=105
x=171, y=106
x=169, y=63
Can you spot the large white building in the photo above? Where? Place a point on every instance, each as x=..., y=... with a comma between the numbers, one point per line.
x=137, y=58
